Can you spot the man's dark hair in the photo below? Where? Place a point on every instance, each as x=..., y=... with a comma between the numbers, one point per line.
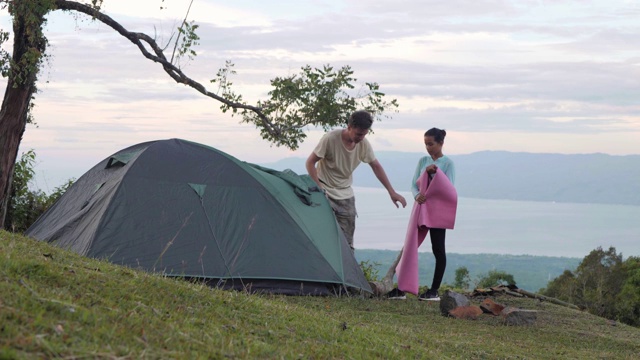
x=360, y=119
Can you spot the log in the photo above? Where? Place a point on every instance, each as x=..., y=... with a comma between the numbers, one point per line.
x=509, y=292
x=546, y=298
x=381, y=288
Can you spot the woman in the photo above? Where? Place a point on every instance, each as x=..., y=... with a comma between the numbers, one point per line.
x=422, y=222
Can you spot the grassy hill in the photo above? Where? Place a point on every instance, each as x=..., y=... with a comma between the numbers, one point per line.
x=55, y=304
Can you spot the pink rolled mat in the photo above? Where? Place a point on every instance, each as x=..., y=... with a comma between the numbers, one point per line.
x=439, y=211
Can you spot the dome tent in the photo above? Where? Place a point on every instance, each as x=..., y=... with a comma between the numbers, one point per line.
x=188, y=210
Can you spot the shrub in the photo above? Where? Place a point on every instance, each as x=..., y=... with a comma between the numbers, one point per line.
x=495, y=277
x=462, y=278
x=370, y=270
x=26, y=205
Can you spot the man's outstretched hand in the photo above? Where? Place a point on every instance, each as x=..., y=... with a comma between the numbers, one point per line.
x=397, y=198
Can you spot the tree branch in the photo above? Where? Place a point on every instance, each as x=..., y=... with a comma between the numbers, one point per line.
x=157, y=55
x=184, y=21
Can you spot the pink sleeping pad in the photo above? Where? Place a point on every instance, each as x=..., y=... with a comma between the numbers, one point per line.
x=439, y=211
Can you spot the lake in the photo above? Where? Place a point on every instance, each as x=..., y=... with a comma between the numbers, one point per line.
x=505, y=226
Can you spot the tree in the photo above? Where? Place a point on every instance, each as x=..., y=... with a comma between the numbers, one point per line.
x=495, y=277
x=603, y=284
x=462, y=278
x=627, y=304
x=564, y=287
x=321, y=97
x=599, y=278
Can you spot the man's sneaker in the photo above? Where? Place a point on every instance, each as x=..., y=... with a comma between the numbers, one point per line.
x=429, y=295
x=396, y=294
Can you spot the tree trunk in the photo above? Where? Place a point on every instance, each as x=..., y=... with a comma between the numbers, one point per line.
x=382, y=287
x=17, y=98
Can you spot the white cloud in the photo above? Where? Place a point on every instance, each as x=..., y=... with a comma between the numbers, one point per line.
x=211, y=12
x=561, y=76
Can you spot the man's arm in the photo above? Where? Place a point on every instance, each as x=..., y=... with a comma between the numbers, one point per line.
x=311, y=168
x=378, y=170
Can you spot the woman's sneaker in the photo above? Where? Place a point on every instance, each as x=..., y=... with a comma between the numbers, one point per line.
x=396, y=294
x=429, y=295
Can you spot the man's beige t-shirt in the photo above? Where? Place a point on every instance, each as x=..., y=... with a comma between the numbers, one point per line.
x=337, y=163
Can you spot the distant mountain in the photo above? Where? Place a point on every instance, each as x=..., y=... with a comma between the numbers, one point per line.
x=577, y=178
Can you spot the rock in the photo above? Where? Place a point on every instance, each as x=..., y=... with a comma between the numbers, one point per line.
x=515, y=316
x=491, y=307
x=470, y=312
x=451, y=300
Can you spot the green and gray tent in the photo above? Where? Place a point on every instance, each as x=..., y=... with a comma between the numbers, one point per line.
x=188, y=210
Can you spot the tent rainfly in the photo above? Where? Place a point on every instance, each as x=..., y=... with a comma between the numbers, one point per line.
x=188, y=210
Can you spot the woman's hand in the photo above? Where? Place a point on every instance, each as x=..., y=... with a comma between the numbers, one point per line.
x=420, y=199
x=431, y=169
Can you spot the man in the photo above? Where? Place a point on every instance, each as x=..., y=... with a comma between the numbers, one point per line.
x=337, y=155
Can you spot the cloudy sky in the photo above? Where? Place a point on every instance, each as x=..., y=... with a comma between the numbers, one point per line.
x=535, y=76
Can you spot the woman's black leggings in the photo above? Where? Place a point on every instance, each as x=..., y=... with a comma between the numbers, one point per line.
x=437, y=246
